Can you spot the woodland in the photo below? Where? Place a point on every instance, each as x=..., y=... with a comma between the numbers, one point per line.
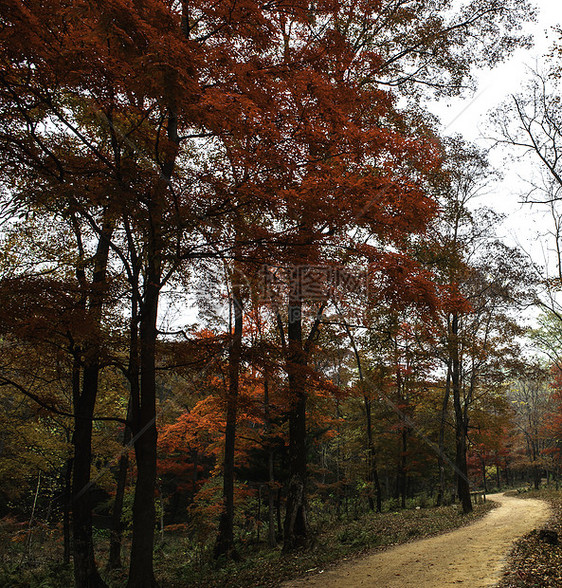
x=247, y=284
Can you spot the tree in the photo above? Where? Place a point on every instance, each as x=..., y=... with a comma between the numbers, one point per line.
x=376, y=51
x=529, y=124
x=485, y=283
x=80, y=333
x=530, y=402
x=125, y=140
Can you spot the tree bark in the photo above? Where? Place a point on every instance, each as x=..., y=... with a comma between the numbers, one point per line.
x=225, y=540
x=441, y=442
x=403, y=478
x=461, y=422
x=373, y=474
x=143, y=405
x=278, y=512
x=85, y=570
x=114, y=561
x=66, y=522
x=296, y=524
x=271, y=538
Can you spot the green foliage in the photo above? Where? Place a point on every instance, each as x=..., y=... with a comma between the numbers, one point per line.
x=31, y=560
x=358, y=537
x=53, y=575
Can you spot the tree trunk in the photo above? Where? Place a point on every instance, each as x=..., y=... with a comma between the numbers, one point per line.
x=258, y=516
x=278, y=512
x=114, y=561
x=463, y=487
x=461, y=422
x=442, y=422
x=225, y=541
x=403, y=474
x=141, y=573
x=338, y=461
x=296, y=524
x=116, y=537
x=143, y=405
x=85, y=572
x=378, y=490
x=194, y=477
x=373, y=474
x=67, y=505
x=536, y=477
x=271, y=539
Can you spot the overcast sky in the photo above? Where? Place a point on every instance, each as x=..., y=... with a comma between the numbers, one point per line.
x=468, y=116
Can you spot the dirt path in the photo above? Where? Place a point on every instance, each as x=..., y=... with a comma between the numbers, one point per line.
x=470, y=556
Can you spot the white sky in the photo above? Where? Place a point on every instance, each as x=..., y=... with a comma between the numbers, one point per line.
x=468, y=117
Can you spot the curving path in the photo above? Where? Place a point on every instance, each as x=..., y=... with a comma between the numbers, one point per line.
x=470, y=556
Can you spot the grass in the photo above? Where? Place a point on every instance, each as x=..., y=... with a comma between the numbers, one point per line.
x=532, y=562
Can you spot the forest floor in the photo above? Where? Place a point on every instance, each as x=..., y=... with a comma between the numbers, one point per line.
x=334, y=542
x=533, y=563
x=338, y=547
x=471, y=556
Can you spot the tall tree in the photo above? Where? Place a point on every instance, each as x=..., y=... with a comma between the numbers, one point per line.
x=529, y=124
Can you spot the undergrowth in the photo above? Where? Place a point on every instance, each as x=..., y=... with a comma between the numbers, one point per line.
x=180, y=562
x=268, y=568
